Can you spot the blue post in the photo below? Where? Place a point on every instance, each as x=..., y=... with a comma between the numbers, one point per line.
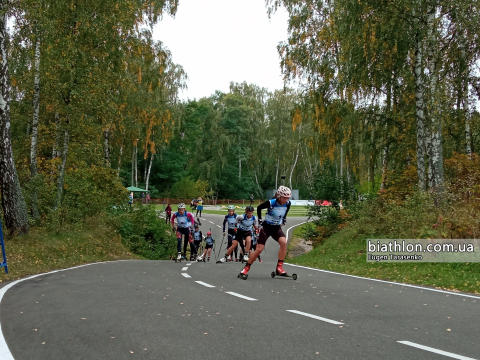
x=4, y=263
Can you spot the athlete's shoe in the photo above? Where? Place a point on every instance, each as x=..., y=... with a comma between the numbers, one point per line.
x=245, y=257
x=280, y=270
x=245, y=269
x=179, y=256
x=260, y=260
x=222, y=260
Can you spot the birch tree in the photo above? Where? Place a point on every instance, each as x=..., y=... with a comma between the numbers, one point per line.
x=13, y=203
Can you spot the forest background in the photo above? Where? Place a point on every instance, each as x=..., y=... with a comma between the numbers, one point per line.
x=385, y=109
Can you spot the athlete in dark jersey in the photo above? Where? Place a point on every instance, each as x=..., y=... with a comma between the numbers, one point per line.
x=245, y=223
x=277, y=210
x=185, y=223
x=197, y=238
x=231, y=221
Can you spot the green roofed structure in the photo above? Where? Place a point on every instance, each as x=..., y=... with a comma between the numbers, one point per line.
x=136, y=189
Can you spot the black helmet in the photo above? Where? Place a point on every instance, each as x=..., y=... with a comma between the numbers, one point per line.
x=249, y=208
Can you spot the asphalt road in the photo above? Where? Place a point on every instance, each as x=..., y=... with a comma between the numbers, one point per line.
x=158, y=310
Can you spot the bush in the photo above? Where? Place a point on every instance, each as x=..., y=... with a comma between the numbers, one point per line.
x=143, y=232
x=327, y=221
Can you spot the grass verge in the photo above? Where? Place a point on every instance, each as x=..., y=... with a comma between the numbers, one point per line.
x=344, y=252
x=41, y=252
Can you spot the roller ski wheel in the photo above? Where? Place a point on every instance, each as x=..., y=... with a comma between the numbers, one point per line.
x=242, y=276
x=293, y=276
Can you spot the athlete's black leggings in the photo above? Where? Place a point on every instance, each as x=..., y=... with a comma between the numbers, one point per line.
x=200, y=212
x=231, y=237
x=197, y=244
x=186, y=237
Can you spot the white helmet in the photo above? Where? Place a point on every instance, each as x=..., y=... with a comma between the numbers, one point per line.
x=231, y=207
x=181, y=206
x=284, y=191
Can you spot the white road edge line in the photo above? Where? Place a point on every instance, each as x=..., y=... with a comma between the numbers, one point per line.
x=5, y=353
x=316, y=317
x=382, y=281
x=436, y=351
x=185, y=268
x=204, y=284
x=240, y=296
x=186, y=275
x=385, y=282
x=291, y=227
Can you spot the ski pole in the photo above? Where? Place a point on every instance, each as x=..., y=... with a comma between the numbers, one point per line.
x=220, y=251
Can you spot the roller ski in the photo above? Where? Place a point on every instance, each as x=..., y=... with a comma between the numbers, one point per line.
x=200, y=258
x=282, y=273
x=222, y=260
x=179, y=257
x=244, y=273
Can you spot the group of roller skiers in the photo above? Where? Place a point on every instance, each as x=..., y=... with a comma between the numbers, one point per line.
x=246, y=227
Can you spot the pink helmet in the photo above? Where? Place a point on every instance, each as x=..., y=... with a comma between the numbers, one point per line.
x=284, y=191
x=209, y=233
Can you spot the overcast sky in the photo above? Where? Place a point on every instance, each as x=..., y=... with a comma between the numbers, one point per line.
x=218, y=41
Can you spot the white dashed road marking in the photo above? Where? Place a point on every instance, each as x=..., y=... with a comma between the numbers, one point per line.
x=316, y=317
x=189, y=264
x=211, y=222
x=219, y=226
x=185, y=269
x=186, y=275
x=240, y=296
x=205, y=284
x=436, y=351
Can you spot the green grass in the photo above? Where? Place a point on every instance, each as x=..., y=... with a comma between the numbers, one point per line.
x=294, y=210
x=41, y=252
x=344, y=252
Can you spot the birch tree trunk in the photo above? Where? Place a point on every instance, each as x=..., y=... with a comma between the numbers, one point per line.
x=239, y=167
x=435, y=119
x=293, y=167
x=13, y=203
x=34, y=140
x=276, y=176
x=465, y=95
x=260, y=192
x=341, y=170
x=61, y=175
x=136, y=166
x=429, y=150
x=148, y=172
x=420, y=105
x=120, y=160
x=106, y=147
x=383, y=185
x=134, y=155
x=55, y=152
